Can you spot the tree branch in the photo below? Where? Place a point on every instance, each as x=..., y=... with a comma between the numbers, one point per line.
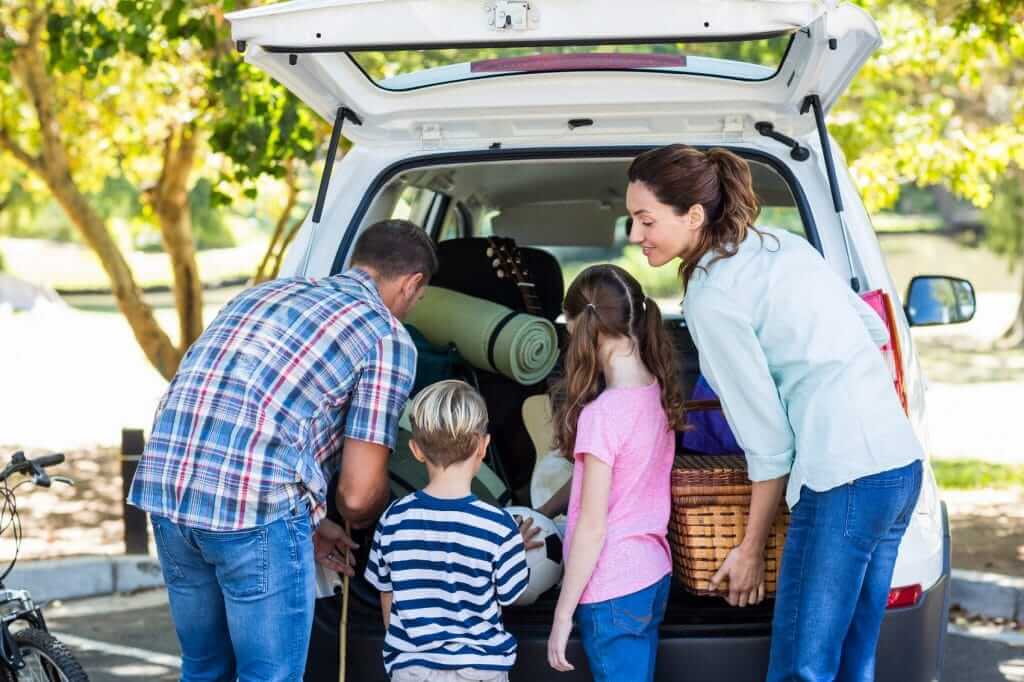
x=33, y=163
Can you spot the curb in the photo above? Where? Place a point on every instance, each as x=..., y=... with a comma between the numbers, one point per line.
x=990, y=595
x=51, y=579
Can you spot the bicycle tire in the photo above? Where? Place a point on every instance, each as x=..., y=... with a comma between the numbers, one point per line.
x=53, y=655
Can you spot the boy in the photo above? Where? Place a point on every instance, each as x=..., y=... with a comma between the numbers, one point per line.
x=444, y=561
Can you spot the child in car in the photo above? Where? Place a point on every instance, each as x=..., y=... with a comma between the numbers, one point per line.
x=445, y=562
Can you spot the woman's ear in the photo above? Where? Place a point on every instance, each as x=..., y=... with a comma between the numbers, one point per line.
x=697, y=216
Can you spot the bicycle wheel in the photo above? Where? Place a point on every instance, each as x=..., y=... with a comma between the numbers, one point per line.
x=46, y=659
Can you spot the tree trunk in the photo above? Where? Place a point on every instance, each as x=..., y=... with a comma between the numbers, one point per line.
x=171, y=204
x=275, y=248
x=1013, y=337
x=52, y=167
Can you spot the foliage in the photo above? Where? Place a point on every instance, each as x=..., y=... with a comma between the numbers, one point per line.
x=972, y=473
x=1004, y=218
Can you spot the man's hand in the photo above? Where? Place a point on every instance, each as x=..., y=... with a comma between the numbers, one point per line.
x=529, y=532
x=744, y=569
x=332, y=548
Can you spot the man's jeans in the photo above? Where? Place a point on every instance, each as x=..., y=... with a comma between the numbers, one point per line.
x=242, y=601
x=836, y=572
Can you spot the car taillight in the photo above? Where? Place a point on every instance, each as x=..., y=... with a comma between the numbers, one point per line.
x=900, y=597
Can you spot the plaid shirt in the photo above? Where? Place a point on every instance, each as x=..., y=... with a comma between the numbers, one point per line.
x=253, y=423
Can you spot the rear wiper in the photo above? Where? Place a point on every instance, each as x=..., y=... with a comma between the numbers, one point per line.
x=798, y=152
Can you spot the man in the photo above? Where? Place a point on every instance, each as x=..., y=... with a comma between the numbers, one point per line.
x=289, y=375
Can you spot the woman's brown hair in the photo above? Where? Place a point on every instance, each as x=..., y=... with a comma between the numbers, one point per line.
x=681, y=176
x=605, y=299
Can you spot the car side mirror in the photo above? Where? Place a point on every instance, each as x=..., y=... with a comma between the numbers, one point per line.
x=935, y=299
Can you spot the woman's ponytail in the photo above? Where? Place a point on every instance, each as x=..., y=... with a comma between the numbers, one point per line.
x=739, y=207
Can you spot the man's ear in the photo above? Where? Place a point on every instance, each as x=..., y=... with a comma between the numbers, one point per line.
x=412, y=283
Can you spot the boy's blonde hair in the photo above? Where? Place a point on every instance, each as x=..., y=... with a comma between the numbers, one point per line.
x=448, y=420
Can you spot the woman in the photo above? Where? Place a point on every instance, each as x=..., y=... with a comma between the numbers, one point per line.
x=794, y=356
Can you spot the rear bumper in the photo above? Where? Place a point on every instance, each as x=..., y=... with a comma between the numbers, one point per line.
x=910, y=648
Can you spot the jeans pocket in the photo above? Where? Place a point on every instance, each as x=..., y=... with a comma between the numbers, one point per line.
x=167, y=546
x=633, y=613
x=240, y=558
x=885, y=479
x=873, y=509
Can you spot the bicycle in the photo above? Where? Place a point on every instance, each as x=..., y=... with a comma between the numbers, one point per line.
x=29, y=652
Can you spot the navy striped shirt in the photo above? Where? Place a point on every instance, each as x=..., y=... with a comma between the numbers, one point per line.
x=451, y=565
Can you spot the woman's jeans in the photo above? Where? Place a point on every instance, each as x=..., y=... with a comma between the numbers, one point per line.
x=620, y=635
x=241, y=601
x=835, y=577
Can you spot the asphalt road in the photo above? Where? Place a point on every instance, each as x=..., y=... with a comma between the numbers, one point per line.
x=131, y=638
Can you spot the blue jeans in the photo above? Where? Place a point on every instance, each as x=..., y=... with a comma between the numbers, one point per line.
x=241, y=601
x=620, y=635
x=835, y=577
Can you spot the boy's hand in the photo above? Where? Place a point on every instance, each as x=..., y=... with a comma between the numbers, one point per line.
x=331, y=547
x=529, y=533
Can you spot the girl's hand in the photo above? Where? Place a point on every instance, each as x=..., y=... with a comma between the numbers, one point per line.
x=557, y=642
x=744, y=569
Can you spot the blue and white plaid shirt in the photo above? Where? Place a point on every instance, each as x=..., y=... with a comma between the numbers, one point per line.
x=254, y=421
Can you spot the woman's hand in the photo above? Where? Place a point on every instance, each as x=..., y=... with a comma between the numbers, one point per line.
x=557, y=642
x=744, y=569
x=332, y=547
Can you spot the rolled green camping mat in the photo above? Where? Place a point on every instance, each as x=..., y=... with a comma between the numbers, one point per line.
x=490, y=336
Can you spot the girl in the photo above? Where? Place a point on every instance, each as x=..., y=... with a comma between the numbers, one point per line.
x=617, y=409
x=794, y=355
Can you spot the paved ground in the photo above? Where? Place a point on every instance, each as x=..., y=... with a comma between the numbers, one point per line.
x=131, y=638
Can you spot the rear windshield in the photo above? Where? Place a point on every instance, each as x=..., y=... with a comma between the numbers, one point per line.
x=750, y=60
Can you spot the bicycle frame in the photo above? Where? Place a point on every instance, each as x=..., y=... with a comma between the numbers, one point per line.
x=16, y=605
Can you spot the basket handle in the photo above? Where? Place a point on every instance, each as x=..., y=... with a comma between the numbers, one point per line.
x=700, y=405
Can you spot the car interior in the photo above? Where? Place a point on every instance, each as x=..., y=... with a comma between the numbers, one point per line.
x=552, y=217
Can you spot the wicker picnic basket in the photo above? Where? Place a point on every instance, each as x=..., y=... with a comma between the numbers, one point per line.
x=710, y=506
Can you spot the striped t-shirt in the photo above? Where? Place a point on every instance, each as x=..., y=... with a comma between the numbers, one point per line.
x=451, y=564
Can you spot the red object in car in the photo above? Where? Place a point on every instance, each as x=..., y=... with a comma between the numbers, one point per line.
x=578, y=62
x=901, y=597
x=881, y=303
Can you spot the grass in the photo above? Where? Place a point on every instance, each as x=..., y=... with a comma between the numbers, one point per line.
x=906, y=222
x=965, y=474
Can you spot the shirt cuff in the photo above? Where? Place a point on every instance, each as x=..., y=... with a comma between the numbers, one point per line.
x=769, y=467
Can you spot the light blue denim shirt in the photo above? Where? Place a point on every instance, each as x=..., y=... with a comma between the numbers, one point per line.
x=794, y=355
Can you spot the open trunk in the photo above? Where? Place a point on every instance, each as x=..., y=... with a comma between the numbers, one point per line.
x=574, y=210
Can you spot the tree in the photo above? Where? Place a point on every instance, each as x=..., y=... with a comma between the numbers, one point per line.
x=942, y=103
x=150, y=92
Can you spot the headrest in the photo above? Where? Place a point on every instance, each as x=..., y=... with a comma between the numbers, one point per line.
x=469, y=268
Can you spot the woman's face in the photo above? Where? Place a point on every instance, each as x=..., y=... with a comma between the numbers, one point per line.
x=657, y=229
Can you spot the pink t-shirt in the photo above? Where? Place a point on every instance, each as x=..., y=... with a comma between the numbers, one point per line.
x=628, y=429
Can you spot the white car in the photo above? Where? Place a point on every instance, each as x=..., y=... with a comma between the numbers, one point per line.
x=522, y=125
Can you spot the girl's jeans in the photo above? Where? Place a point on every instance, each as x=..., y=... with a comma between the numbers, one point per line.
x=836, y=572
x=620, y=635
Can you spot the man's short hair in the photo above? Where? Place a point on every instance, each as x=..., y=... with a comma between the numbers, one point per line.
x=448, y=420
x=395, y=248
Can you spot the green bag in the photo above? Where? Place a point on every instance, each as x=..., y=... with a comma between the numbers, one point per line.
x=433, y=363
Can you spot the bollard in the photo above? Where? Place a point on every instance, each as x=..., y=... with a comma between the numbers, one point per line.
x=136, y=532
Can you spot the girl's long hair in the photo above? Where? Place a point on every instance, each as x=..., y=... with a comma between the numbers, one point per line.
x=607, y=300
x=719, y=180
